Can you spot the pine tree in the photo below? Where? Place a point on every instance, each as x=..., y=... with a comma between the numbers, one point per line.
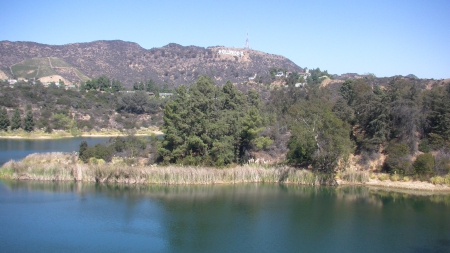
x=4, y=120
x=16, y=120
x=28, y=122
x=82, y=154
x=205, y=125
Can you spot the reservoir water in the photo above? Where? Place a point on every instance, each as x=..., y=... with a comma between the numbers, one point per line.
x=82, y=217
x=87, y=217
x=17, y=149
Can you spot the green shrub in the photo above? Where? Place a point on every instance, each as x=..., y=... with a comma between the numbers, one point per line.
x=262, y=142
x=441, y=180
x=397, y=160
x=437, y=180
x=395, y=177
x=61, y=121
x=424, y=146
x=96, y=161
x=383, y=177
x=442, y=163
x=424, y=164
x=99, y=152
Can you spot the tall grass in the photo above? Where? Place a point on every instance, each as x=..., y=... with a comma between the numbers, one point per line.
x=444, y=180
x=39, y=167
x=63, y=166
x=66, y=167
x=355, y=176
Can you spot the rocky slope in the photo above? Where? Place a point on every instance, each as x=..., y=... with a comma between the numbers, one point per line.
x=128, y=62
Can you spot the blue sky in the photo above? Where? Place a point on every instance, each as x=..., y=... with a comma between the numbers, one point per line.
x=382, y=37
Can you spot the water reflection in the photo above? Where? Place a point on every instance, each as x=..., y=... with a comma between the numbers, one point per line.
x=250, y=192
x=245, y=218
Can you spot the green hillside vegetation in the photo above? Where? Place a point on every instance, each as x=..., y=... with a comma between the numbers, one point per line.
x=100, y=107
x=205, y=124
x=32, y=68
x=59, y=63
x=42, y=67
x=83, y=78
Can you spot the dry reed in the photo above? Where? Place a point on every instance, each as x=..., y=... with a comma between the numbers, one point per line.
x=63, y=166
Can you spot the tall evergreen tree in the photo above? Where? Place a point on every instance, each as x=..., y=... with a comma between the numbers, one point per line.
x=208, y=125
x=4, y=120
x=82, y=154
x=116, y=86
x=16, y=120
x=150, y=86
x=28, y=122
x=103, y=83
x=436, y=108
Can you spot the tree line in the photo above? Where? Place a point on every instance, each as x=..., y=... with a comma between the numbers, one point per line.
x=218, y=125
x=16, y=121
x=399, y=120
x=91, y=107
x=102, y=83
x=212, y=125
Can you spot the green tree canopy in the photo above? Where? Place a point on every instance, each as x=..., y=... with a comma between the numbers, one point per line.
x=137, y=103
x=4, y=120
x=208, y=125
x=319, y=138
x=28, y=122
x=16, y=120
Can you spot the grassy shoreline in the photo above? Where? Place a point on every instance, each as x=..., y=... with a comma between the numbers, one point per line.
x=66, y=167
x=59, y=134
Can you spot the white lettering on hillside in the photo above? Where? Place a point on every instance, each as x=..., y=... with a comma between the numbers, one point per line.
x=231, y=52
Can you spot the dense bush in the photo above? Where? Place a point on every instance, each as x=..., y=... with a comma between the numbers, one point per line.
x=398, y=160
x=127, y=147
x=208, y=125
x=442, y=162
x=424, y=164
x=138, y=103
x=98, y=152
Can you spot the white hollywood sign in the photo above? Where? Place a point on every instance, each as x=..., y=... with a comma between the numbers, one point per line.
x=230, y=52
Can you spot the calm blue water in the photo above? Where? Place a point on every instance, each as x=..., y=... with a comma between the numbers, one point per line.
x=17, y=149
x=81, y=217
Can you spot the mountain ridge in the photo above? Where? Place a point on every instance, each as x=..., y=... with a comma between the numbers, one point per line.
x=128, y=62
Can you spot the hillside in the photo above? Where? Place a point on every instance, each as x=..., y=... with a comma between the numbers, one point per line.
x=128, y=62
x=47, y=70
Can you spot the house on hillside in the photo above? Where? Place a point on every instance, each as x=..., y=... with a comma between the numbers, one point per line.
x=163, y=95
x=279, y=74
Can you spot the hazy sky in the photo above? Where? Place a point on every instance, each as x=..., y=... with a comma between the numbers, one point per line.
x=382, y=37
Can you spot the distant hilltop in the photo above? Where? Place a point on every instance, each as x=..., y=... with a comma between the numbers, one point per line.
x=128, y=62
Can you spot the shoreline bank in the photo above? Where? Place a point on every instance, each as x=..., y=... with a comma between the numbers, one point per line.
x=68, y=135
x=65, y=167
x=398, y=185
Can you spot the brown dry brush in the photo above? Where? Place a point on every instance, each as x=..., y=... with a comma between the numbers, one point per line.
x=65, y=167
x=355, y=176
